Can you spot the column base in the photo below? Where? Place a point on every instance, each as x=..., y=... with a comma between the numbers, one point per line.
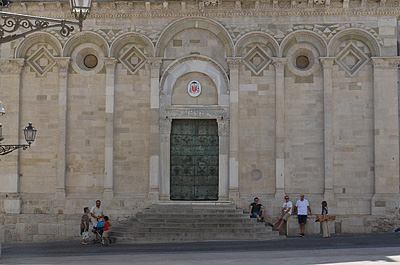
x=329, y=195
x=234, y=196
x=13, y=204
x=60, y=194
x=165, y=198
x=154, y=195
x=108, y=194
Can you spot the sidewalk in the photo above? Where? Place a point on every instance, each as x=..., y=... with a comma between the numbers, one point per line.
x=340, y=249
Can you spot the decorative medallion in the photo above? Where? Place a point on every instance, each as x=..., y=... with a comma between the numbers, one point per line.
x=352, y=59
x=257, y=59
x=41, y=61
x=194, y=88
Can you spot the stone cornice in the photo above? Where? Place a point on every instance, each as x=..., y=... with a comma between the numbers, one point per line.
x=386, y=62
x=106, y=10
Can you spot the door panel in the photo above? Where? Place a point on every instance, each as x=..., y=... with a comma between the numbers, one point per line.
x=194, y=160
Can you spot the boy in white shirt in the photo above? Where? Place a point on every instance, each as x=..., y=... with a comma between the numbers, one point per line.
x=302, y=206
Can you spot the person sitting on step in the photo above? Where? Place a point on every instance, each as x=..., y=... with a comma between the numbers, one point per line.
x=257, y=210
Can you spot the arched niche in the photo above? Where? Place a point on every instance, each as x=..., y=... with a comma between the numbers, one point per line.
x=257, y=37
x=42, y=37
x=303, y=36
x=357, y=35
x=131, y=38
x=198, y=23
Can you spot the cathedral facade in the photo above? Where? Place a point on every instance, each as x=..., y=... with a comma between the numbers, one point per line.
x=209, y=101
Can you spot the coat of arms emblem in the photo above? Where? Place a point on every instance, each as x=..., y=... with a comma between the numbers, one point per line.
x=194, y=88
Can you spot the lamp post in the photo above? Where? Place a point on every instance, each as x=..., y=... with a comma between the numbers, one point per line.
x=12, y=22
x=29, y=133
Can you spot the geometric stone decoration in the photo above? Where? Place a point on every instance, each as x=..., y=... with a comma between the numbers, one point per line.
x=133, y=59
x=351, y=58
x=257, y=59
x=41, y=61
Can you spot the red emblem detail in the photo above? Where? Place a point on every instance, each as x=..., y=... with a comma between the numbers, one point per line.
x=194, y=87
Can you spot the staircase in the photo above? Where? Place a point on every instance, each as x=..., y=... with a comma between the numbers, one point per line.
x=190, y=222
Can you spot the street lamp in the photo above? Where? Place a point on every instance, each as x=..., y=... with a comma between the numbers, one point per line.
x=29, y=133
x=12, y=22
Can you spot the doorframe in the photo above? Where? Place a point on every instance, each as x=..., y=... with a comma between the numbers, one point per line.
x=194, y=112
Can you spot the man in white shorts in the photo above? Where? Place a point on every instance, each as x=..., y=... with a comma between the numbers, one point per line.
x=285, y=213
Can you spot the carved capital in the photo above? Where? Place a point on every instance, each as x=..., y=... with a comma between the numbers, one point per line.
x=327, y=62
x=63, y=65
x=165, y=126
x=234, y=62
x=279, y=63
x=11, y=66
x=110, y=63
x=223, y=127
x=155, y=62
x=386, y=62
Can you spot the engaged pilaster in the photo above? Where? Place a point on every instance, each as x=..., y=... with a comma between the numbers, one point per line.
x=11, y=71
x=234, y=66
x=327, y=64
x=154, y=174
x=110, y=64
x=165, y=143
x=279, y=64
x=63, y=67
x=386, y=135
x=223, y=133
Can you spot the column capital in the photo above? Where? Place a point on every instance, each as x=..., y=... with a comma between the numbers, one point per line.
x=63, y=64
x=110, y=63
x=234, y=62
x=223, y=127
x=327, y=62
x=279, y=63
x=155, y=62
x=386, y=62
x=165, y=126
x=12, y=66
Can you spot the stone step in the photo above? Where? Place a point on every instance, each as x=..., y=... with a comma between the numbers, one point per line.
x=188, y=220
x=191, y=222
x=180, y=229
x=190, y=215
x=188, y=225
x=190, y=236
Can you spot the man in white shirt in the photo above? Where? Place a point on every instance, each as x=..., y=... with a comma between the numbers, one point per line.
x=302, y=206
x=285, y=213
x=97, y=213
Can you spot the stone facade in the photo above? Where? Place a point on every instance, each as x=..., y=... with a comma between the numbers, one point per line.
x=305, y=95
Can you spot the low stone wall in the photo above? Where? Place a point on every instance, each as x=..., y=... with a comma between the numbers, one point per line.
x=346, y=224
x=18, y=228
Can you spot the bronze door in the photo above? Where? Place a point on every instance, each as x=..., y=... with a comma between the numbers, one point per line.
x=194, y=160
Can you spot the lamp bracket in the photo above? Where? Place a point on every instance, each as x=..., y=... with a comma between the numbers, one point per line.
x=5, y=149
x=12, y=22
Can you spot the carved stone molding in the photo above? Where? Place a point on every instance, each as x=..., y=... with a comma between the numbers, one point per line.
x=223, y=127
x=155, y=62
x=386, y=62
x=165, y=126
x=327, y=62
x=279, y=63
x=234, y=62
x=63, y=64
x=13, y=66
x=110, y=63
x=196, y=113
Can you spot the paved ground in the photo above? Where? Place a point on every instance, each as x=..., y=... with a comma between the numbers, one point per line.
x=341, y=249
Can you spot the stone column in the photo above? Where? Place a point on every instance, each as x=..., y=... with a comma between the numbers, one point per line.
x=234, y=66
x=165, y=158
x=63, y=67
x=328, y=126
x=279, y=64
x=110, y=64
x=223, y=133
x=386, y=135
x=11, y=72
x=154, y=174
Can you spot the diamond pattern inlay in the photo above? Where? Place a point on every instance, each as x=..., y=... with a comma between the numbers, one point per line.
x=133, y=59
x=351, y=58
x=41, y=61
x=257, y=59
